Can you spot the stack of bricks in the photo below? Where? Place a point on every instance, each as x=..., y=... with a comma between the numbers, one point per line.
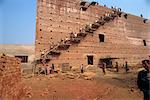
x=10, y=78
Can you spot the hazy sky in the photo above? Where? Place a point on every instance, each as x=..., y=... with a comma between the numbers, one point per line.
x=17, y=17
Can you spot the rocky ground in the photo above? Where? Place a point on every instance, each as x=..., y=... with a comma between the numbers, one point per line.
x=86, y=86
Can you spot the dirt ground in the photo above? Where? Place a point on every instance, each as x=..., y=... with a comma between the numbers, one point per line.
x=112, y=86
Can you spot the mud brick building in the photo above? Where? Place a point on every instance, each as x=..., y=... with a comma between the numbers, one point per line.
x=121, y=37
x=10, y=78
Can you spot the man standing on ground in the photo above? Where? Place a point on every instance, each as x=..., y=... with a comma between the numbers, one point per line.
x=143, y=80
x=117, y=67
x=103, y=67
x=81, y=68
x=126, y=67
x=52, y=68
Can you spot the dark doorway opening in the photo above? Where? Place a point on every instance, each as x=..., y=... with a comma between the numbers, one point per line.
x=24, y=59
x=101, y=38
x=108, y=62
x=144, y=41
x=90, y=60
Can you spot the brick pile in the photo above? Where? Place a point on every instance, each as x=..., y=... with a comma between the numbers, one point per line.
x=10, y=78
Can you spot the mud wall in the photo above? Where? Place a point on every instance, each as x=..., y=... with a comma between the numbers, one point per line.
x=123, y=37
x=57, y=18
x=10, y=78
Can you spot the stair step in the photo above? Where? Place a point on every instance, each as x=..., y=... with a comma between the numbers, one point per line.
x=81, y=34
x=63, y=46
x=95, y=25
x=83, y=8
x=54, y=52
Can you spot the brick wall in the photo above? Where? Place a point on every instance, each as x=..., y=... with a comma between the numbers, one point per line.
x=56, y=19
x=10, y=78
x=123, y=37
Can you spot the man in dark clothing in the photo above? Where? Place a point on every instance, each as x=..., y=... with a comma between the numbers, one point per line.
x=52, y=68
x=103, y=67
x=143, y=81
x=117, y=67
x=126, y=67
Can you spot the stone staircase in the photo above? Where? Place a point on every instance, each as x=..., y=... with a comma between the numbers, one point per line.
x=87, y=30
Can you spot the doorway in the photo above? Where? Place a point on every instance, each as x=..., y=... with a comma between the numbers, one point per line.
x=108, y=62
x=90, y=60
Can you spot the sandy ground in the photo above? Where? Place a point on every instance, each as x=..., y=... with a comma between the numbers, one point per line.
x=112, y=86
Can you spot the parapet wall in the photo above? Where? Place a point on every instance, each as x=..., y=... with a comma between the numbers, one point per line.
x=10, y=78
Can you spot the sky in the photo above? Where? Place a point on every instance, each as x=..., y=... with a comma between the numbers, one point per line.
x=18, y=17
x=17, y=21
